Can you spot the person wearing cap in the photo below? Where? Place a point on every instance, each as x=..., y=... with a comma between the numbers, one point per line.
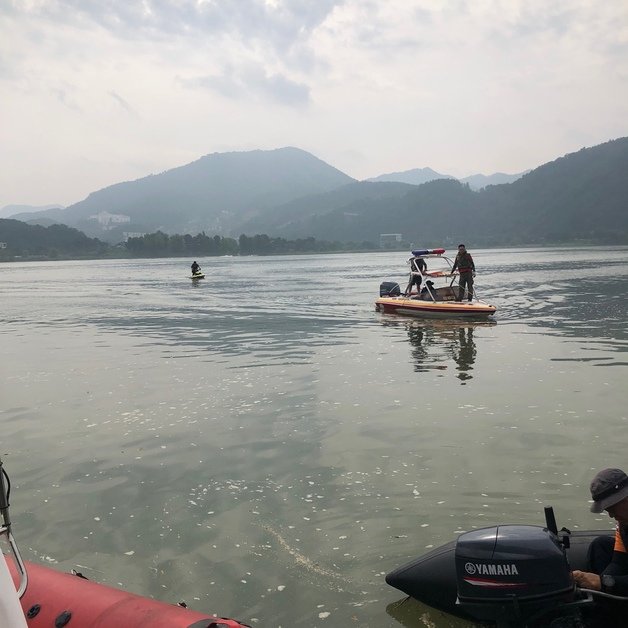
x=466, y=267
x=608, y=557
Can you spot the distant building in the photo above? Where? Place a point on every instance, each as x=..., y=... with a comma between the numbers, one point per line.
x=387, y=240
x=3, y=245
x=132, y=234
x=109, y=221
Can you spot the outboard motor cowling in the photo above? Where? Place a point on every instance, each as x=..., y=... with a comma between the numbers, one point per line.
x=389, y=289
x=511, y=572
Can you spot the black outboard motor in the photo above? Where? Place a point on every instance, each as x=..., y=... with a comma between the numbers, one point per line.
x=511, y=574
x=389, y=289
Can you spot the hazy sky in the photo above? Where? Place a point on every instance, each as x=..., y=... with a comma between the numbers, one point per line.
x=94, y=92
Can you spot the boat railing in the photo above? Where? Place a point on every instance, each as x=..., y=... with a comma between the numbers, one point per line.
x=5, y=530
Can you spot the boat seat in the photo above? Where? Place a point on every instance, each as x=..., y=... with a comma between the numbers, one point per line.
x=448, y=293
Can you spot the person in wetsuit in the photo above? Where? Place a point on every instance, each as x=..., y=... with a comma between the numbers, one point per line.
x=195, y=268
x=466, y=268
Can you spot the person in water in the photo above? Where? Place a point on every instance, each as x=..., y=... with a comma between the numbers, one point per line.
x=417, y=269
x=466, y=268
x=608, y=557
x=195, y=268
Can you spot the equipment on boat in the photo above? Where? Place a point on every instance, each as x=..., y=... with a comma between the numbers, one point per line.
x=197, y=276
x=514, y=576
x=389, y=289
x=423, y=252
x=444, y=301
x=46, y=597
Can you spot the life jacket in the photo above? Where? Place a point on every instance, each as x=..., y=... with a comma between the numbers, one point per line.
x=465, y=262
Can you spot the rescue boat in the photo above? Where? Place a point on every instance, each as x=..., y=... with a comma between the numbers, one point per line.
x=434, y=301
x=35, y=595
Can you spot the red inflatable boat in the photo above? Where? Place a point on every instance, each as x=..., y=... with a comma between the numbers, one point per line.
x=58, y=599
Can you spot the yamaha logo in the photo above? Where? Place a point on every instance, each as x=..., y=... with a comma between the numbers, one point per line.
x=491, y=569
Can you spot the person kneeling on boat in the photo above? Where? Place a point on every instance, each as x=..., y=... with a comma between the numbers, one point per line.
x=608, y=557
x=429, y=291
x=195, y=268
x=466, y=268
x=417, y=270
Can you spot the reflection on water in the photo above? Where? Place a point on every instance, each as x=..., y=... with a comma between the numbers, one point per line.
x=436, y=344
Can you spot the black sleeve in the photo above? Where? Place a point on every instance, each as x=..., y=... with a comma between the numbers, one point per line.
x=618, y=568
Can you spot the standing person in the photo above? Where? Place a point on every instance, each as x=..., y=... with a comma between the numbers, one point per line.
x=466, y=268
x=417, y=269
x=195, y=268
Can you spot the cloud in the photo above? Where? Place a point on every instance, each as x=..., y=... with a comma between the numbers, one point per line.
x=124, y=104
x=456, y=85
x=280, y=24
x=253, y=82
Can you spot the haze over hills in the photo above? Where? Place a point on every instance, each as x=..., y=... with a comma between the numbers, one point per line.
x=15, y=210
x=480, y=181
x=418, y=176
x=292, y=194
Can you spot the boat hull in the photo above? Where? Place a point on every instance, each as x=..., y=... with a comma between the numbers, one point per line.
x=434, y=309
x=51, y=593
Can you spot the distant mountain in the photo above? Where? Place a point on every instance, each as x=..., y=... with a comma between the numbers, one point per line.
x=480, y=181
x=215, y=193
x=9, y=211
x=416, y=176
x=582, y=196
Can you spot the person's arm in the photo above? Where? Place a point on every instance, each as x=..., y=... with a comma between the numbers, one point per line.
x=617, y=568
x=472, y=263
x=587, y=580
x=619, y=577
x=453, y=268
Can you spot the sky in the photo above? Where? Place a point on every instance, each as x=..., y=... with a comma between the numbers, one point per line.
x=94, y=92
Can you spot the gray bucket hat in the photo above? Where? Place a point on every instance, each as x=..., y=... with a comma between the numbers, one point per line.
x=608, y=488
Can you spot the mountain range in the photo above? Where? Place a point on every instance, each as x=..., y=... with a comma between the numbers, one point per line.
x=13, y=210
x=290, y=193
x=418, y=176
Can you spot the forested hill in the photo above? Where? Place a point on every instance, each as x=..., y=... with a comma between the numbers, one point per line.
x=580, y=197
x=18, y=239
x=214, y=193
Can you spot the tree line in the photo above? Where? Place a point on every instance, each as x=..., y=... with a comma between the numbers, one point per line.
x=160, y=244
x=19, y=240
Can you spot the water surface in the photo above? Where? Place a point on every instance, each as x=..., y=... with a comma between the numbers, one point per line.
x=264, y=445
